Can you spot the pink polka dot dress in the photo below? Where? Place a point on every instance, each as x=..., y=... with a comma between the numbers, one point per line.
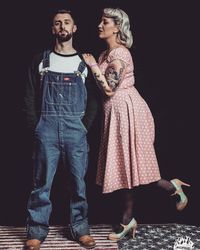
x=127, y=156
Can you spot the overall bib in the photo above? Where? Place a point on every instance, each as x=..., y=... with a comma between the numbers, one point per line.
x=60, y=133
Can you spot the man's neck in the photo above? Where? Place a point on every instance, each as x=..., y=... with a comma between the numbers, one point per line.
x=65, y=48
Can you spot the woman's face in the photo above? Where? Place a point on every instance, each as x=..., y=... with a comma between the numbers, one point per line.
x=107, y=28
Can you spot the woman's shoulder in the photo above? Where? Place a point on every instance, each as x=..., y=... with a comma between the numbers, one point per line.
x=121, y=53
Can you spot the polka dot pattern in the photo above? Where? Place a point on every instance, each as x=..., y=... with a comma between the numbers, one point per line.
x=127, y=156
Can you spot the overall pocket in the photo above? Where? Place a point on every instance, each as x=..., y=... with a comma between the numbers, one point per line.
x=64, y=93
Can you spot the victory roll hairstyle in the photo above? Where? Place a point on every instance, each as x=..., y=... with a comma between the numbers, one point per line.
x=120, y=19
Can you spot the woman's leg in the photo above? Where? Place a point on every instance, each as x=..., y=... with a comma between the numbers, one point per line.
x=127, y=211
x=175, y=187
x=129, y=224
x=166, y=185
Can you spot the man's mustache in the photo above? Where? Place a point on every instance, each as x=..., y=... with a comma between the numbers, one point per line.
x=63, y=30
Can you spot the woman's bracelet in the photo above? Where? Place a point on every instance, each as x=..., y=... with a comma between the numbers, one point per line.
x=93, y=65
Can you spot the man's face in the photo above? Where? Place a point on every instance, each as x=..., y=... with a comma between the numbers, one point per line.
x=63, y=27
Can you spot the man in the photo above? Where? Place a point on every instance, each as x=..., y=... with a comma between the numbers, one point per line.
x=58, y=113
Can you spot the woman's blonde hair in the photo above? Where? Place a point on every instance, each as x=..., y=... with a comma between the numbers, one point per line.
x=120, y=19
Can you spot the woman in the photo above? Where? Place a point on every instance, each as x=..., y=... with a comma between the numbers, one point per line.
x=127, y=156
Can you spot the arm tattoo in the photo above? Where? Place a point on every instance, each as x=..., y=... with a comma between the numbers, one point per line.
x=113, y=76
x=99, y=82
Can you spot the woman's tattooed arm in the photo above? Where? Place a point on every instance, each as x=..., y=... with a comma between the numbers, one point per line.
x=99, y=81
x=113, y=75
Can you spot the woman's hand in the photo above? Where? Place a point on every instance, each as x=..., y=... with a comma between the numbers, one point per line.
x=89, y=59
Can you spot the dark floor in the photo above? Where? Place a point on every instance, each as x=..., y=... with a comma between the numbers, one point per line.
x=148, y=236
x=163, y=237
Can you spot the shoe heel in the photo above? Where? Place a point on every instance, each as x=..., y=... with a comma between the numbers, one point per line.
x=184, y=184
x=133, y=233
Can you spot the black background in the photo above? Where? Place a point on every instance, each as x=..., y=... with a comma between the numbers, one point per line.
x=166, y=58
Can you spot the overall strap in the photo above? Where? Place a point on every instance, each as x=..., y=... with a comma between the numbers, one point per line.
x=81, y=67
x=82, y=64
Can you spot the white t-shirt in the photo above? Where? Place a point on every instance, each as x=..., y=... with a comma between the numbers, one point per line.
x=64, y=63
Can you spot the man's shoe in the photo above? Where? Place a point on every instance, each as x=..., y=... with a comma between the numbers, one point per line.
x=32, y=244
x=87, y=241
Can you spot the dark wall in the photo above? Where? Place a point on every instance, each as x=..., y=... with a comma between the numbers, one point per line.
x=165, y=54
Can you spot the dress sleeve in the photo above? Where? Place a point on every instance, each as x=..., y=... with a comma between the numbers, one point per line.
x=122, y=54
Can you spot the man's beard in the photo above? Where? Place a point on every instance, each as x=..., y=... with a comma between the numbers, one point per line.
x=64, y=38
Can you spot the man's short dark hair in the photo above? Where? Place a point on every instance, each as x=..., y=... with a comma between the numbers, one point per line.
x=63, y=11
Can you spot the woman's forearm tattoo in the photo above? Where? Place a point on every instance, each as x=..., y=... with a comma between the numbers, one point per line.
x=99, y=81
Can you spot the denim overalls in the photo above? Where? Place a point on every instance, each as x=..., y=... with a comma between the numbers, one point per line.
x=60, y=134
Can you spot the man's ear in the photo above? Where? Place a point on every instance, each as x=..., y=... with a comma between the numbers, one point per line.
x=74, y=29
x=52, y=30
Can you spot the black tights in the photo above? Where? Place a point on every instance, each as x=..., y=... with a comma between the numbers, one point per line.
x=166, y=185
x=128, y=199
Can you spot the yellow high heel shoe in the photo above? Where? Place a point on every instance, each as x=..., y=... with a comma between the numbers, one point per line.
x=126, y=229
x=183, y=199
